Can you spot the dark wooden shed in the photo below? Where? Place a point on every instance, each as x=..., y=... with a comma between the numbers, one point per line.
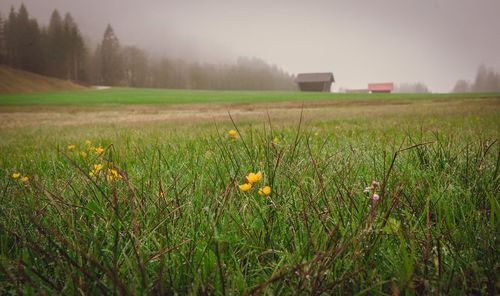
x=315, y=81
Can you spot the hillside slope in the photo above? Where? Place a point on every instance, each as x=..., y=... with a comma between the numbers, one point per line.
x=15, y=81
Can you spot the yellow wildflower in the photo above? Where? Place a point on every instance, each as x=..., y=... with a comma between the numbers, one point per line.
x=275, y=140
x=16, y=175
x=254, y=177
x=91, y=173
x=114, y=173
x=97, y=167
x=245, y=187
x=232, y=133
x=24, y=179
x=99, y=150
x=264, y=191
x=71, y=147
x=88, y=142
x=83, y=154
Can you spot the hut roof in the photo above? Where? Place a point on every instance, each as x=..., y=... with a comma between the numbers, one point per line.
x=386, y=86
x=315, y=77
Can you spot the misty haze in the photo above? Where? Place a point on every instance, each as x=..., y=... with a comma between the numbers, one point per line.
x=322, y=147
x=435, y=43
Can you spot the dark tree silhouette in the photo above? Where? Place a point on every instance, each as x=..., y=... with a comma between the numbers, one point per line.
x=59, y=50
x=111, y=72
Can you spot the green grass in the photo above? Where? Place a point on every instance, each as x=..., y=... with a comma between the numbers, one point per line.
x=166, y=96
x=176, y=221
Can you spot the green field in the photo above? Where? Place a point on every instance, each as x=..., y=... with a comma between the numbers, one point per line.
x=165, y=213
x=165, y=96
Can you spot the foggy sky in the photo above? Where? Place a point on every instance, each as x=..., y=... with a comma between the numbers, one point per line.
x=435, y=42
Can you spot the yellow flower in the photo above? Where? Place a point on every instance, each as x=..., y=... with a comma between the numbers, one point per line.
x=88, y=142
x=109, y=178
x=99, y=150
x=232, y=133
x=91, y=173
x=114, y=173
x=264, y=191
x=245, y=187
x=97, y=167
x=275, y=140
x=254, y=177
x=24, y=179
x=71, y=147
x=16, y=175
x=83, y=154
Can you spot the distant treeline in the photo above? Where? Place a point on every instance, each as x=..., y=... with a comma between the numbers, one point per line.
x=59, y=50
x=487, y=80
x=418, y=87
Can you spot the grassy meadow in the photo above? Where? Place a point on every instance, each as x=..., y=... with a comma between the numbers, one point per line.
x=169, y=96
x=386, y=194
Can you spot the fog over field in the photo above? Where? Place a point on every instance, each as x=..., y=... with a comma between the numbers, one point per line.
x=428, y=41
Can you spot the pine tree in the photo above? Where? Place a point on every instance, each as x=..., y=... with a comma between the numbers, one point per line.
x=486, y=80
x=3, y=53
x=11, y=39
x=462, y=86
x=94, y=66
x=55, y=46
x=34, y=58
x=135, y=65
x=110, y=59
x=22, y=41
x=73, y=48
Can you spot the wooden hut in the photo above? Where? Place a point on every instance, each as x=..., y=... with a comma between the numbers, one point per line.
x=315, y=81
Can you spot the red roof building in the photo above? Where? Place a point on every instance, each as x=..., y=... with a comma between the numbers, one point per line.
x=381, y=87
